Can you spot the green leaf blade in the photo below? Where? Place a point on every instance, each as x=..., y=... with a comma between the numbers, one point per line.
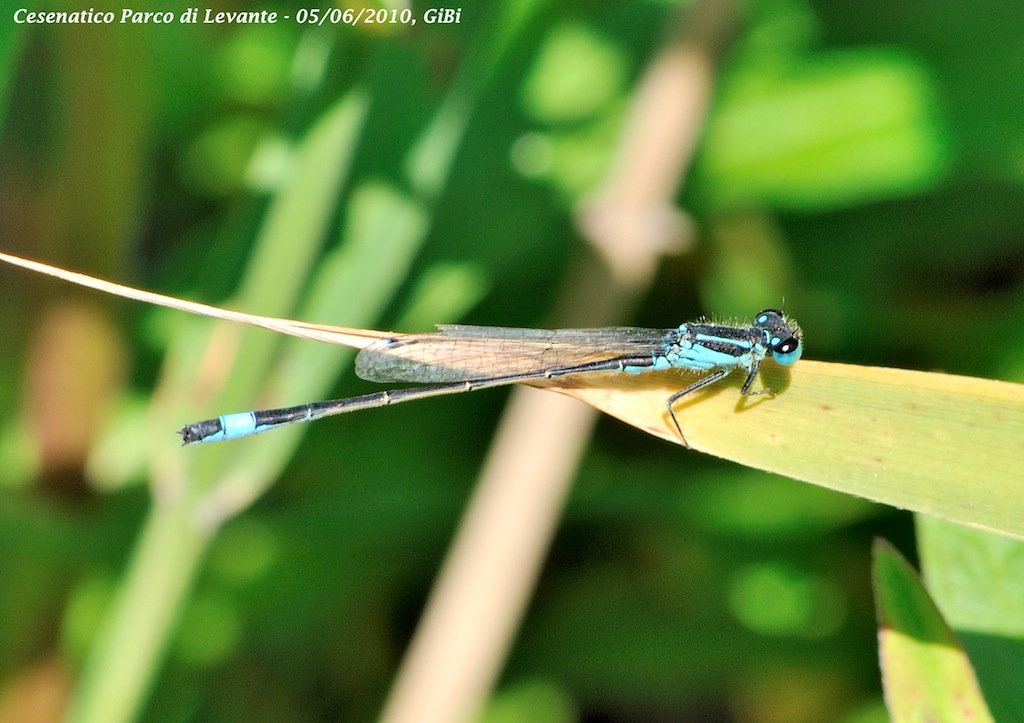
x=925, y=672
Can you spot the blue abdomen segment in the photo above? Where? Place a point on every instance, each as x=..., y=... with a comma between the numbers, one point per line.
x=229, y=426
x=238, y=425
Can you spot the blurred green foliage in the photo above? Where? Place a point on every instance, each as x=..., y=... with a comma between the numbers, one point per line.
x=864, y=157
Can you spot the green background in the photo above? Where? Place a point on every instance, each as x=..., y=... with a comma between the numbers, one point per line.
x=864, y=161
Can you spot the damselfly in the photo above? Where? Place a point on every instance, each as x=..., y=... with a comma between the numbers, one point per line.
x=458, y=358
x=464, y=358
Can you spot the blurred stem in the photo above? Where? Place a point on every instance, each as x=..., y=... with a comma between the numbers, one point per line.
x=129, y=647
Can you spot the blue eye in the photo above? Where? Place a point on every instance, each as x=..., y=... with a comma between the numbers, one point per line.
x=787, y=352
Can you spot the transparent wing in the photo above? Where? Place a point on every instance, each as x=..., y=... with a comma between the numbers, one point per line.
x=459, y=352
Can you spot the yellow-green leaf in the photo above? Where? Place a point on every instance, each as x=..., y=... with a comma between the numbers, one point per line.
x=925, y=672
x=944, y=445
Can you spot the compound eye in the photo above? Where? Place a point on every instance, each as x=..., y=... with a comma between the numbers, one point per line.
x=786, y=351
x=786, y=346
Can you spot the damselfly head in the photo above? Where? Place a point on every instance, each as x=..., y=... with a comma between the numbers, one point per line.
x=783, y=336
